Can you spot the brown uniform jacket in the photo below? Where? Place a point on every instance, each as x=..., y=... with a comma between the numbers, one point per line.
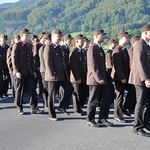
x=9, y=60
x=121, y=67
x=67, y=52
x=130, y=52
x=3, y=51
x=140, y=70
x=54, y=60
x=42, y=65
x=35, y=49
x=78, y=65
x=96, y=65
x=22, y=59
x=109, y=61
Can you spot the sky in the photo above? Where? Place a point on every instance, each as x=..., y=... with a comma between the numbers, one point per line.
x=8, y=1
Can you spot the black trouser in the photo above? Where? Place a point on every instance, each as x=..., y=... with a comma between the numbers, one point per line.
x=1, y=83
x=130, y=101
x=31, y=87
x=53, y=87
x=94, y=92
x=119, y=101
x=44, y=90
x=141, y=115
x=80, y=95
x=39, y=80
x=13, y=85
x=4, y=81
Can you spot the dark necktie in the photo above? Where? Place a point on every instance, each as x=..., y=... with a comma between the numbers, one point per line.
x=82, y=53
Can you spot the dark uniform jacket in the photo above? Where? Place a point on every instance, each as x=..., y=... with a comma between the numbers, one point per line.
x=22, y=59
x=96, y=65
x=35, y=49
x=54, y=60
x=3, y=51
x=109, y=62
x=121, y=67
x=78, y=65
x=140, y=70
x=9, y=60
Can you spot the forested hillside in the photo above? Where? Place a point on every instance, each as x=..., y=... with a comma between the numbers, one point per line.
x=74, y=15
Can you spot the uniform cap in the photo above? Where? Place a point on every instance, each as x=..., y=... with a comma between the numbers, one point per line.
x=24, y=31
x=3, y=36
x=134, y=39
x=111, y=41
x=68, y=36
x=56, y=32
x=79, y=36
x=145, y=28
x=123, y=34
x=98, y=31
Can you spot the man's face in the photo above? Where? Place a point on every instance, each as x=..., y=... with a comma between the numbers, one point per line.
x=3, y=41
x=16, y=40
x=56, y=38
x=24, y=37
x=47, y=41
x=80, y=42
x=113, y=45
x=147, y=33
x=125, y=40
x=68, y=42
x=86, y=43
x=100, y=37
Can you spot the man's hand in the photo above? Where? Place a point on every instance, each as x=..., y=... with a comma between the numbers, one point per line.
x=18, y=75
x=124, y=81
x=52, y=78
x=35, y=75
x=78, y=81
x=147, y=83
x=101, y=81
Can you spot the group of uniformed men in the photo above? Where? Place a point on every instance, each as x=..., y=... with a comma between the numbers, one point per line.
x=84, y=74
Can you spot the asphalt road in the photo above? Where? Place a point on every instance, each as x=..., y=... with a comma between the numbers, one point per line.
x=37, y=132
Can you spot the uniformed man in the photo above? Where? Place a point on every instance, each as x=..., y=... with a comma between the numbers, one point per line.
x=56, y=74
x=78, y=67
x=133, y=40
x=140, y=77
x=120, y=73
x=86, y=44
x=47, y=41
x=24, y=70
x=109, y=64
x=4, y=73
x=66, y=41
x=97, y=81
x=35, y=48
x=130, y=104
x=9, y=64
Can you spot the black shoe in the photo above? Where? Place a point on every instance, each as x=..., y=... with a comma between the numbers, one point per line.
x=63, y=110
x=120, y=120
x=92, y=124
x=127, y=112
x=147, y=127
x=5, y=95
x=142, y=133
x=36, y=111
x=105, y=122
x=20, y=112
